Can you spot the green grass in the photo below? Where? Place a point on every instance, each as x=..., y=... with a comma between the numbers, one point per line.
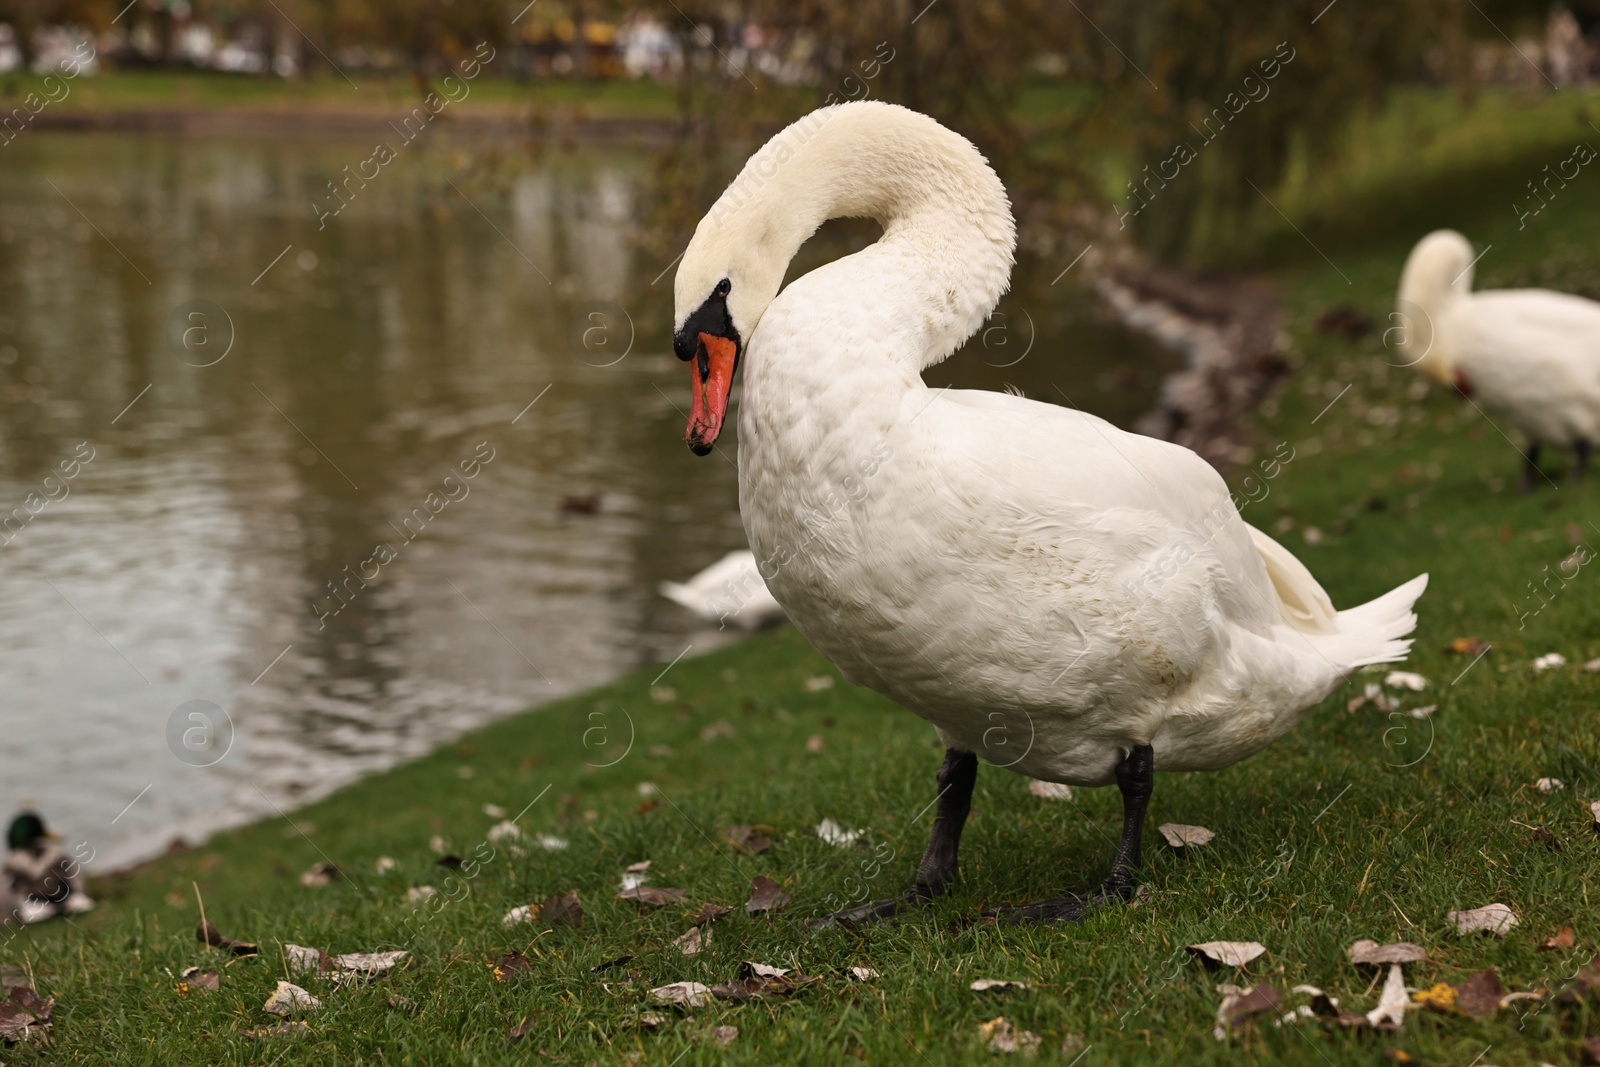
x=1355, y=825
x=139, y=90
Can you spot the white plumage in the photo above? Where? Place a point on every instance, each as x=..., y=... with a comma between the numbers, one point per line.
x=728, y=591
x=1528, y=357
x=1046, y=589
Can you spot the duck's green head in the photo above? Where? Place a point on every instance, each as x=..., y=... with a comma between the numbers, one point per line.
x=27, y=830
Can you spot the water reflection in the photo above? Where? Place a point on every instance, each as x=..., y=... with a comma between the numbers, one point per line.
x=415, y=495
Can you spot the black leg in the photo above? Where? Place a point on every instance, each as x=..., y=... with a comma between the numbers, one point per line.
x=956, y=777
x=1580, y=459
x=1530, y=469
x=1135, y=777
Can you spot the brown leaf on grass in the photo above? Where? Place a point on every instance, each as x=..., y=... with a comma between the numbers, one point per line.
x=562, y=909
x=692, y=941
x=765, y=895
x=1541, y=835
x=724, y=1035
x=263, y=1033
x=207, y=932
x=1227, y=953
x=195, y=978
x=1479, y=996
x=608, y=964
x=654, y=896
x=862, y=974
x=1594, y=809
x=24, y=1016
x=1239, y=1006
x=652, y=1020
x=747, y=839
x=1371, y=952
x=519, y=1031
x=401, y=1004
x=1467, y=646
x=1390, y=1014
x=760, y=980
x=1495, y=918
x=1562, y=938
x=710, y=912
x=816, y=744
x=12, y=976
x=646, y=807
x=368, y=964
x=289, y=999
x=1181, y=836
x=510, y=964
x=682, y=994
x=1000, y=1036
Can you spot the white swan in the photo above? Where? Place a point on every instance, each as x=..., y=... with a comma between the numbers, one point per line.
x=1530, y=357
x=1071, y=601
x=730, y=590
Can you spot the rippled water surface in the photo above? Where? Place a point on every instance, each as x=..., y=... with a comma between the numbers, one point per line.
x=280, y=511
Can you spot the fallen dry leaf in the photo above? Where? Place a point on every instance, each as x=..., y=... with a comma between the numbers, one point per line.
x=368, y=964
x=652, y=1020
x=519, y=1031
x=1594, y=809
x=207, y=932
x=999, y=1035
x=509, y=964
x=1562, y=938
x=608, y=964
x=634, y=875
x=418, y=893
x=724, y=1035
x=710, y=913
x=834, y=834
x=1371, y=952
x=562, y=909
x=1549, y=785
x=682, y=994
x=301, y=958
x=522, y=913
x=504, y=831
x=983, y=985
x=693, y=941
x=320, y=874
x=1467, y=646
x=289, y=1029
x=1390, y=1013
x=1373, y=695
x=746, y=838
x=654, y=896
x=1050, y=790
x=401, y=1004
x=1241, y=1005
x=720, y=728
x=1227, y=953
x=1495, y=918
x=24, y=1016
x=816, y=744
x=765, y=895
x=1180, y=836
x=1549, y=660
x=863, y=974
x=195, y=978
x=550, y=842
x=1479, y=996
x=760, y=980
x=1405, y=680
x=288, y=999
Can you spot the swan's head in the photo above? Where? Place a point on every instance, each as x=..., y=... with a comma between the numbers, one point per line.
x=730, y=272
x=1437, y=273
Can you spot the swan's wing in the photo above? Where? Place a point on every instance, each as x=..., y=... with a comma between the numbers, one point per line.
x=1534, y=356
x=1162, y=507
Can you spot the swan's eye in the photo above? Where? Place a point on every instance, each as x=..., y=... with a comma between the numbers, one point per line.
x=724, y=287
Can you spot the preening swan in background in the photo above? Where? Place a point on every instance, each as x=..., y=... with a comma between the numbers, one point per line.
x=728, y=591
x=1529, y=357
x=1070, y=601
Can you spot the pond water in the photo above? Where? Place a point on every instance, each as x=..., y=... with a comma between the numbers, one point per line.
x=215, y=408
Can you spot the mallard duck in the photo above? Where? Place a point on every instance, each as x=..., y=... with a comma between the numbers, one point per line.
x=1064, y=599
x=39, y=879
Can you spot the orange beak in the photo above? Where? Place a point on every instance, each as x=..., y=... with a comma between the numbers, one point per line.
x=710, y=381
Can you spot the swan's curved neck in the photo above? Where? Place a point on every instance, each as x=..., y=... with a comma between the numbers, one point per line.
x=943, y=211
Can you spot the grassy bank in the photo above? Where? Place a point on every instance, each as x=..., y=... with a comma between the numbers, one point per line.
x=1358, y=824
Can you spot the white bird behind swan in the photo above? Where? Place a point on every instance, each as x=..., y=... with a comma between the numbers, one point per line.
x=730, y=590
x=1077, y=603
x=1530, y=357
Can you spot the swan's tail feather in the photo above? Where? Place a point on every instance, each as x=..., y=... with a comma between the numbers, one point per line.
x=1374, y=632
